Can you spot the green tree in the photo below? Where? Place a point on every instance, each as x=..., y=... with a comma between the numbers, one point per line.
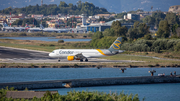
x=143, y=29
x=62, y=4
x=116, y=25
x=108, y=32
x=133, y=33
x=163, y=30
x=172, y=18
x=120, y=15
x=97, y=35
x=118, y=30
x=149, y=20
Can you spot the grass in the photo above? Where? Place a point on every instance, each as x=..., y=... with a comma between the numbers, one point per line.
x=147, y=60
x=46, y=34
x=42, y=45
x=49, y=46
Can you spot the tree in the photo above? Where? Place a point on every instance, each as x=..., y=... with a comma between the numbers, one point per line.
x=149, y=20
x=172, y=19
x=116, y=25
x=120, y=15
x=108, y=32
x=18, y=22
x=163, y=30
x=174, y=28
x=97, y=35
x=143, y=29
x=133, y=33
x=62, y=4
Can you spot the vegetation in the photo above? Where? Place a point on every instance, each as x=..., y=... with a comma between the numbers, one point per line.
x=45, y=34
x=62, y=8
x=106, y=20
x=165, y=22
x=28, y=21
x=47, y=46
x=138, y=31
x=157, y=46
x=163, y=30
x=155, y=18
x=75, y=96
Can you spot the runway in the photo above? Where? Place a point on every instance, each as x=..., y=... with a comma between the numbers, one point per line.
x=17, y=55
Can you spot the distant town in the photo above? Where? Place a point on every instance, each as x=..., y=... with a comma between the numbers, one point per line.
x=80, y=23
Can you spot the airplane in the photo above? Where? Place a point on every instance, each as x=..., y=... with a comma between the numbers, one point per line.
x=36, y=29
x=14, y=29
x=7, y=28
x=80, y=54
x=21, y=29
x=53, y=29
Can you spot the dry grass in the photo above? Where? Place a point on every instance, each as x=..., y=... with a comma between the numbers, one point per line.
x=49, y=46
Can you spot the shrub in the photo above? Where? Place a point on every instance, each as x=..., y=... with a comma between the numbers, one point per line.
x=51, y=45
x=177, y=47
x=148, y=37
x=60, y=41
x=42, y=45
x=157, y=49
x=22, y=34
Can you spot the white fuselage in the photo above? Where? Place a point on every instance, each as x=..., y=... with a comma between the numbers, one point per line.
x=88, y=53
x=55, y=30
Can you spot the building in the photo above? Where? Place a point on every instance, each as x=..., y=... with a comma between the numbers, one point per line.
x=106, y=16
x=133, y=16
x=37, y=17
x=21, y=14
x=95, y=28
x=103, y=26
x=54, y=23
x=14, y=18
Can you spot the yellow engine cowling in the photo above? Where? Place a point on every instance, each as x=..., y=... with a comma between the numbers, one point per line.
x=70, y=58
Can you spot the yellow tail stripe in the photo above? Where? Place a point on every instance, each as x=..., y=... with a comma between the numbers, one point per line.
x=100, y=51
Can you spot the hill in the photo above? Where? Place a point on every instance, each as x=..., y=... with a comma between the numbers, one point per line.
x=111, y=5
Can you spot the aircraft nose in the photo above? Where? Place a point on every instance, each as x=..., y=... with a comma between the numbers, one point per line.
x=50, y=54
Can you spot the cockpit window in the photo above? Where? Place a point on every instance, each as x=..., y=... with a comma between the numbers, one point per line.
x=52, y=51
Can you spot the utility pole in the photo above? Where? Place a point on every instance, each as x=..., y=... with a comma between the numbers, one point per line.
x=10, y=19
x=151, y=10
x=41, y=2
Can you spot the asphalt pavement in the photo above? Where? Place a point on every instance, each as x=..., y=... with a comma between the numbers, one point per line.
x=17, y=55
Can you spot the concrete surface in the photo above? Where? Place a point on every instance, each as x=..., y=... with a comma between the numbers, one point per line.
x=17, y=55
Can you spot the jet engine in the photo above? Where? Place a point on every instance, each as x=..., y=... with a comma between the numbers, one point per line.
x=70, y=58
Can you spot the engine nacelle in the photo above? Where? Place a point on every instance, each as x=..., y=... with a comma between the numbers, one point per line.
x=70, y=58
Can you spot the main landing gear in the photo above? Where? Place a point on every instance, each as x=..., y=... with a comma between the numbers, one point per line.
x=86, y=60
x=58, y=60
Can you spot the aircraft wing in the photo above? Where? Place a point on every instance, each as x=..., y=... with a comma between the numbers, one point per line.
x=79, y=56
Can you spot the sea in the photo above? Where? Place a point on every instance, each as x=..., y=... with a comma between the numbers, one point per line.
x=44, y=39
x=156, y=92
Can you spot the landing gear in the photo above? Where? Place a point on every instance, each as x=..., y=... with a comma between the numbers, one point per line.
x=81, y=60
x=86, y=60
x=58, y=60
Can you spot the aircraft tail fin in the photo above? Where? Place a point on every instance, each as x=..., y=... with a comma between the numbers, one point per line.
x=27, y=26
x=115, y=47
x=41, y=26
x=5, y=25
